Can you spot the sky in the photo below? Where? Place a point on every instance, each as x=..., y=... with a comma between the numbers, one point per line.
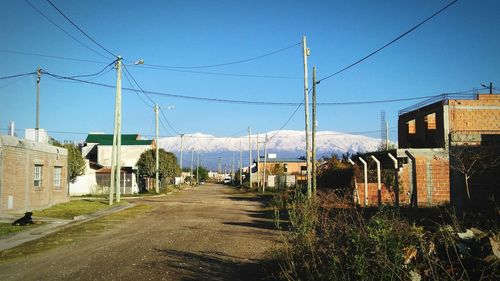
x=455, y=51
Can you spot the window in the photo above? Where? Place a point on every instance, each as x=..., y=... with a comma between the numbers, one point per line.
x=411, y=127
x=57, y=177
x=430, y=119
x=38, y=176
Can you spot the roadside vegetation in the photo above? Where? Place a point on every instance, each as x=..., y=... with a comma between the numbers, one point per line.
x=330, y=239
x=74, y=233
x=74, y=208
x=7, y=229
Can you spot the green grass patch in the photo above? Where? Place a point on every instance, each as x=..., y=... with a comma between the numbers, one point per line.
x=75, y=233
x=74, y=208
x=8, y=228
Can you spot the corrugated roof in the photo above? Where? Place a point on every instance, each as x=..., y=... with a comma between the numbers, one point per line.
x=127, y=139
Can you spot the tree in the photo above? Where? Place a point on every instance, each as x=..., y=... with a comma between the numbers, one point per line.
x=471, y=160
x=168, y=167
x=76, y=162
x=202, y=173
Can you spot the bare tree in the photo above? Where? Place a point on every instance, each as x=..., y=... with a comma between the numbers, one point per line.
x=471, y=160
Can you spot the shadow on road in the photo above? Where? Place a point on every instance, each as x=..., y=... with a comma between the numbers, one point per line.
x=208, y=266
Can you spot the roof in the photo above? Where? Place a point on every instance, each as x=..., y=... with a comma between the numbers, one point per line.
x=283, y=160
x=439, y=99
x=9, y=141
x=127, y=139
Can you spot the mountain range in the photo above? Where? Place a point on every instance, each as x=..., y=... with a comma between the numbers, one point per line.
x=285, y=144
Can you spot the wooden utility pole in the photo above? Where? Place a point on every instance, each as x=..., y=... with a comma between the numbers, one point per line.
x=250, y=155
x=37, y=127
x=117, y=137
x=157, y=157
x=197, y=166
x=314, y=124
x=306, y=52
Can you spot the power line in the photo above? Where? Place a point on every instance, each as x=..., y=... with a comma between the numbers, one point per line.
x=232, y=101
x=81, y=30
x=388, y=44
x=63, y=30
x=138, y=95
x=50, y=56
x=17, y=75
x=223, y=73
x=227, y=63
x=287, y=121
x=170, y=125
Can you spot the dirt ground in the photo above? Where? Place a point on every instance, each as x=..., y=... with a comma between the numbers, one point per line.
x=206, y=233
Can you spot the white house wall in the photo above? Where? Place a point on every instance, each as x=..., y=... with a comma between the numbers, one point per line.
x=129, y=154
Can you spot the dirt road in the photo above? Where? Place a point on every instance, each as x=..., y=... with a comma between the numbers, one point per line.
x=207, y=233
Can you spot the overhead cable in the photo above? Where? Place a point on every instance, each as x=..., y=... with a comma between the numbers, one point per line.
x=63, y=30
x=81, y=30
x=388, y=44
x=226, y=63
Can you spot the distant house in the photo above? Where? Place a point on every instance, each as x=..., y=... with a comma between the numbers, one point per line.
x=33, y=175
x=429, y=133
x=97, y=149
x=280, y=171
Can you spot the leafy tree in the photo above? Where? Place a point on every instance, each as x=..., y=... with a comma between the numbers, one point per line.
x=168, y=167
x=76, y=162
x=202, y=173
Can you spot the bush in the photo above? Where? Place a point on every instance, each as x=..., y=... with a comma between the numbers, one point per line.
x=327, y=242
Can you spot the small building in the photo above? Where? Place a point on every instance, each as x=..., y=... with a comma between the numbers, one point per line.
x=97, y=149
x=280, y=172
x=33, y=175
x=425, y=166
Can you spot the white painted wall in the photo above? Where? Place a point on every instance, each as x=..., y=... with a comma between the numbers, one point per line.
x=129, y=154
x=84, y=184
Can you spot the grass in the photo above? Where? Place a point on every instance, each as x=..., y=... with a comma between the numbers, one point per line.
x=74, y=208
x=75, y=233
x=8, y=228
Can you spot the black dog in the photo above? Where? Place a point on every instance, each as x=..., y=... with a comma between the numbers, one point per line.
x=24, y=220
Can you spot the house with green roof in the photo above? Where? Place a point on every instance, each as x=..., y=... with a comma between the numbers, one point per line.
x=97, y=149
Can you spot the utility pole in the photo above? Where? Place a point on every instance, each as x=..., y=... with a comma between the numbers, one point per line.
x=197, y=166
x=306, y=52
x=491, y=88
x=250, y=155
x=192, y=159
x=37, y=127
x=117, y=137
x=314, y=124
x=232, y=168
x=265, y=166
x=258, y=162
x=157, y=157
x=182, y=136
x=386, y=135
x=241, y=165
x=219, y=168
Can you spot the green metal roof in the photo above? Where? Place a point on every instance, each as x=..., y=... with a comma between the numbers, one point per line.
x=127, y=139
x=288, y=160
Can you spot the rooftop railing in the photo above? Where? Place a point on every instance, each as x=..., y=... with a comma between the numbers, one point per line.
x=438, y=98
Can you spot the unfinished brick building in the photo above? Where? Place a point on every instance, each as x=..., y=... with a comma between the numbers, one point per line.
x=434, y=137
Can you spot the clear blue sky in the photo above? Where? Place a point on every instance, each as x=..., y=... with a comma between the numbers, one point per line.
x=455, y=51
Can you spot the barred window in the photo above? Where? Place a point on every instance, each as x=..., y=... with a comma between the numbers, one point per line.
x=38, y=176
x=57, y=177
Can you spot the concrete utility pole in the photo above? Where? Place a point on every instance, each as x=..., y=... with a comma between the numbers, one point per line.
x=182, y=136
x=265, y=166
x=197, y=166
x=241, y=165
x=250, y=156
x=306, y=53
x=117, y=137
x=232, y=168
x=314, y=124
x=37, y=127
x=258, y=162
x=157, y=153
x=386, y=136
x=192, y=159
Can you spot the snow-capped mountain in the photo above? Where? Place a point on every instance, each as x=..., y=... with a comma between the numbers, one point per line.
x=284, y=143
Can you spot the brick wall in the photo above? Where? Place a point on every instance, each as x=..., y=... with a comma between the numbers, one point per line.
x=17, y=178
x=482, y=114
